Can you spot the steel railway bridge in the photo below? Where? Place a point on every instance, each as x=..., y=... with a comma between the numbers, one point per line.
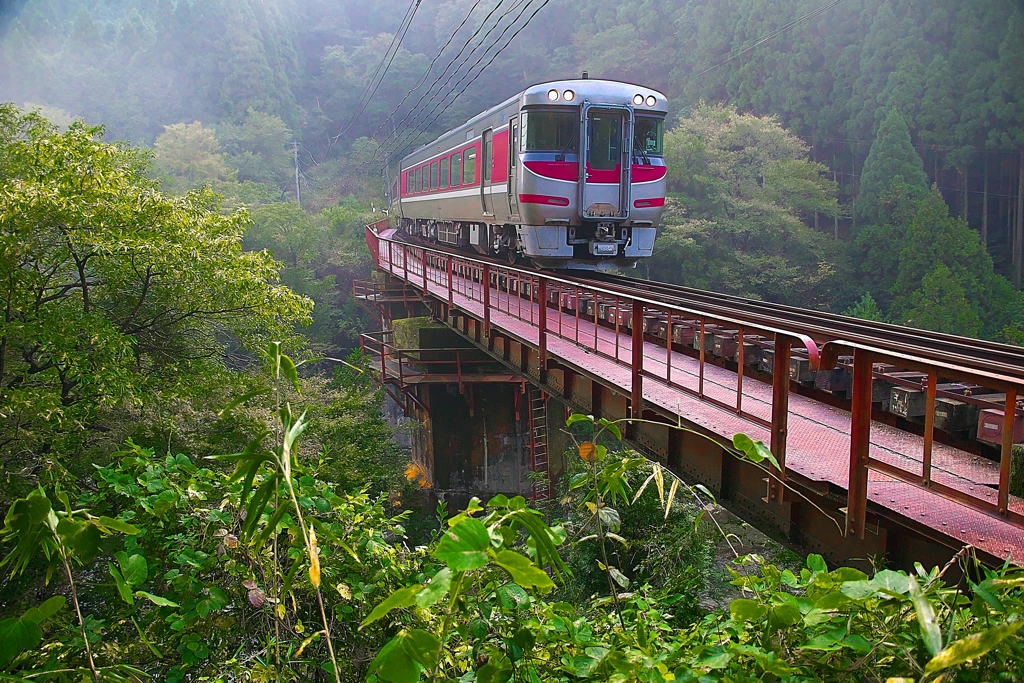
x=892, y=441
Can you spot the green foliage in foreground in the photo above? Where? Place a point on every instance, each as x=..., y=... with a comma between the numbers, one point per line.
x=183, y=572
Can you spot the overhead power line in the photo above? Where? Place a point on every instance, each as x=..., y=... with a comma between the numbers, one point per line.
x=399, y=129
x=494, y=56
x=773, y=34
x=430, y=67
x=389, y=56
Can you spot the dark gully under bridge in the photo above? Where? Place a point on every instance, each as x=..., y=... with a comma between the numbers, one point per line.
x=893, y=442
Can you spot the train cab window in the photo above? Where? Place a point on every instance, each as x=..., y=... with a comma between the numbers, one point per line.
x=444, y=173
x=419, y=180
x=456, y=170
x=433, y=176
x=410, y=178
x=469, y=166
x=649, y=134
x=550, y=131
x=605, y=133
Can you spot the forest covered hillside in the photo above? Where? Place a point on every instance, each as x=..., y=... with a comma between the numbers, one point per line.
x=200, y=480
x=295, y=83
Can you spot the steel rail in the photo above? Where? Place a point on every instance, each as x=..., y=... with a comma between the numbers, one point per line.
x=979, y=354
x=974, y=354
x=977, y=348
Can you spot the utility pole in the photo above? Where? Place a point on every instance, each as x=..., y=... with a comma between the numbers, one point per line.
x=298, y=193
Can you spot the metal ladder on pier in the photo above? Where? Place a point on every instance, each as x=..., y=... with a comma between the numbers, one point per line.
x=538, y=444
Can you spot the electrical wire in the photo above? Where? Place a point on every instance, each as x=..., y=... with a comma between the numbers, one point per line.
x=399, y=130
x=430, y=67
x=396, y=43
x=466, y=85
x=777, y=32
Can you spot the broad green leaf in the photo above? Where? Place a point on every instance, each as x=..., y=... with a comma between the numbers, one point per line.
x=422, y=646
x=784, y=615
x=135, y=569
x=394, y=664
x=403, y=597
x=498, y=501
x=893, y=582
x=28, y=511
x=156, y=599
x=16, y=636
x=611, y=427
x=523, y=572
x=109, y=523
x=290, y=372
x=619, y=577
x=122, y=586
x=970, y=647
x=610, y=518
x=816, y=563
x=524, y=638
x=52, y=606
x=82, y=539
x=576, y=417
x=464, y=546
x=930, y=629
x=743, y=609
x=436, y=589
x=857, y=643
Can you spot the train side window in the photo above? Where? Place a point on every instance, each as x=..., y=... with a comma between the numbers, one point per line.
x=410, y=178
x=469, y=166
x=488, y=159
x=456, y=169
x=444, y=173
x=419, y=179
x=425, y=184
x=433, y=176
x=514, y=143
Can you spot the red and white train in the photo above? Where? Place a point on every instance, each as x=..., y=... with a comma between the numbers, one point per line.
x=569, y=174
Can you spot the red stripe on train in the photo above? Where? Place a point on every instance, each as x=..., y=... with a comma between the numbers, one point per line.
x=543, y=199
x=645, y=174
x=556, y=170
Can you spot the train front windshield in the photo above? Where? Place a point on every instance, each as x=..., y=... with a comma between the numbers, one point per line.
x=649, y=135
x=550, y=131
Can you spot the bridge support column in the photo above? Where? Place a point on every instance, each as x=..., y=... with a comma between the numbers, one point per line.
x=780, y=418
x=860, y=444
x=636, y=401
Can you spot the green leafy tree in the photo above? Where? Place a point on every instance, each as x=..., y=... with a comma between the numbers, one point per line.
x=258, y=148
x=865, y=309
x=744, y=187
x=188, y=156
x=940, y=305
x=891, y=155
x=946, y=277
x=111, y=287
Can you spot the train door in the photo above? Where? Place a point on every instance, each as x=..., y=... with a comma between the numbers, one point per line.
x=607, y=146
x=513, y=166
x=486, y=161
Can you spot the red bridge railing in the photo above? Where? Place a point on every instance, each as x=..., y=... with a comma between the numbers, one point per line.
x=623, y=328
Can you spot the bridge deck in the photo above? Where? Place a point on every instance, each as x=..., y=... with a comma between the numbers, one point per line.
x=818, y=442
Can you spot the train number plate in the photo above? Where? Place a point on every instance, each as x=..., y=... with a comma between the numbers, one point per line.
x=604, y=248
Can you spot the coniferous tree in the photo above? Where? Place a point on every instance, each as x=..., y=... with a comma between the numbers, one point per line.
x=892, y=154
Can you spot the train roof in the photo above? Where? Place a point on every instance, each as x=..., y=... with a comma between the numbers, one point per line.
x=594, y=90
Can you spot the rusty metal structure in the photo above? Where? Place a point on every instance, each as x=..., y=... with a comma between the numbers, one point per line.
x=884, y=434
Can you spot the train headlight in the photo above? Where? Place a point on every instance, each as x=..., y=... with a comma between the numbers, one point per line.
x=638, y=99
x=552, y=95
x=568, y=96
x=651, y=100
